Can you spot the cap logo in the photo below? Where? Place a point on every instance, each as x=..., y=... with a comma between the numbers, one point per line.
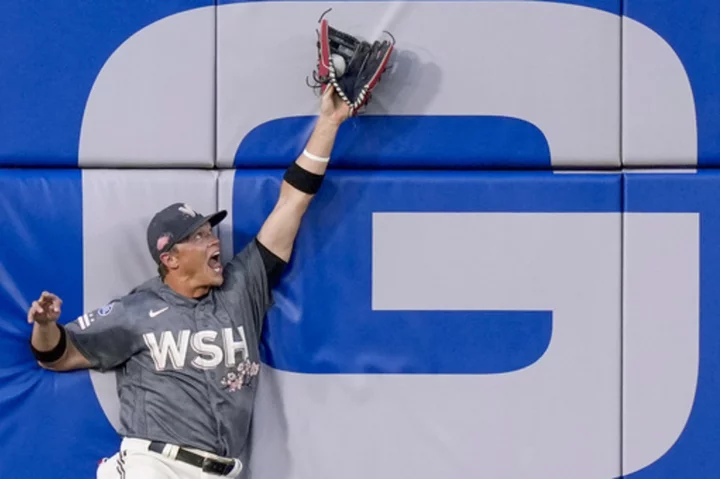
x=162, y=242
x=187, y=210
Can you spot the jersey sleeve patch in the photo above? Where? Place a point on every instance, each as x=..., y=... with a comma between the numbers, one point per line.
x=106, y=336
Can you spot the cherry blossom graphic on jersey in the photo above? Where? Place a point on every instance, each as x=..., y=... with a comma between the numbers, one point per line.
x=240, y=376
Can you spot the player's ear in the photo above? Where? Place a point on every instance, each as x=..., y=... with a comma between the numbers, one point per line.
x=170, y=259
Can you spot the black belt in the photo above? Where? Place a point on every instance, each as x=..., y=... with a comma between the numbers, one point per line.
x=213, y=466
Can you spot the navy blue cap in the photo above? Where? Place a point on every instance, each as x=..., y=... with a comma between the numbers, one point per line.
x=175, y=223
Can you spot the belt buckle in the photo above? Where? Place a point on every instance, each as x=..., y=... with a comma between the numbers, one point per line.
x=216, y=467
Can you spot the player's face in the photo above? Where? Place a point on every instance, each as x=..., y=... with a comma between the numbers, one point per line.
x=199, y=258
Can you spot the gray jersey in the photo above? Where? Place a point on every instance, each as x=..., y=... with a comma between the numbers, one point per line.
x=186, y=369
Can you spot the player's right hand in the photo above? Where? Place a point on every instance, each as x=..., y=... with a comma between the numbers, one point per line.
x=45, y=310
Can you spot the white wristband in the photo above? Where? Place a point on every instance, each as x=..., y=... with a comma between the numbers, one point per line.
x=315, y=157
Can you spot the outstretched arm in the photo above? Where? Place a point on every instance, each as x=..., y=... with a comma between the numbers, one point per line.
x=49, y=343
x=303, y=178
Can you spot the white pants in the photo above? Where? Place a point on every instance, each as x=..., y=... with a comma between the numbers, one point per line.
x=135, y=461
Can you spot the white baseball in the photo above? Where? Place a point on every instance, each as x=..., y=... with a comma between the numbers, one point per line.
x=339, y=63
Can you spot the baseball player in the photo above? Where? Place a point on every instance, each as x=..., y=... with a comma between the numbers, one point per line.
x=184, y=344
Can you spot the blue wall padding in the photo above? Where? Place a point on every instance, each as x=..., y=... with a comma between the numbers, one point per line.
x=50, y=55
x=691, y=29
x=334, y=329
x=51, y=425
x=693, y=455
x=370, y=142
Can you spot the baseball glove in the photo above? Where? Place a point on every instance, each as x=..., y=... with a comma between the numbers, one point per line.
x=351, y=66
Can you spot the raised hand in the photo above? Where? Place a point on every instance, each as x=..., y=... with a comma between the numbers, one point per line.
x=332, y=108
x=45, y=310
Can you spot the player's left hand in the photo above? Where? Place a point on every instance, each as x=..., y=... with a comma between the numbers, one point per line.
x=332, y=108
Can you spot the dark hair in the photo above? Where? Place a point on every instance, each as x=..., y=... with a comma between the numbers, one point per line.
x=162, y=271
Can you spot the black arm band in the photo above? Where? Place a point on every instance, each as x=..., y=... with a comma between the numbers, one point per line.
x=55, y=353
x=302, y=179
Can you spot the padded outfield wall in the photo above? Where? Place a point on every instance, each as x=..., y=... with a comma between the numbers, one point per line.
x=511, y=270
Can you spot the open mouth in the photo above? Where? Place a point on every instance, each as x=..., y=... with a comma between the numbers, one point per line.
x=214, y=262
